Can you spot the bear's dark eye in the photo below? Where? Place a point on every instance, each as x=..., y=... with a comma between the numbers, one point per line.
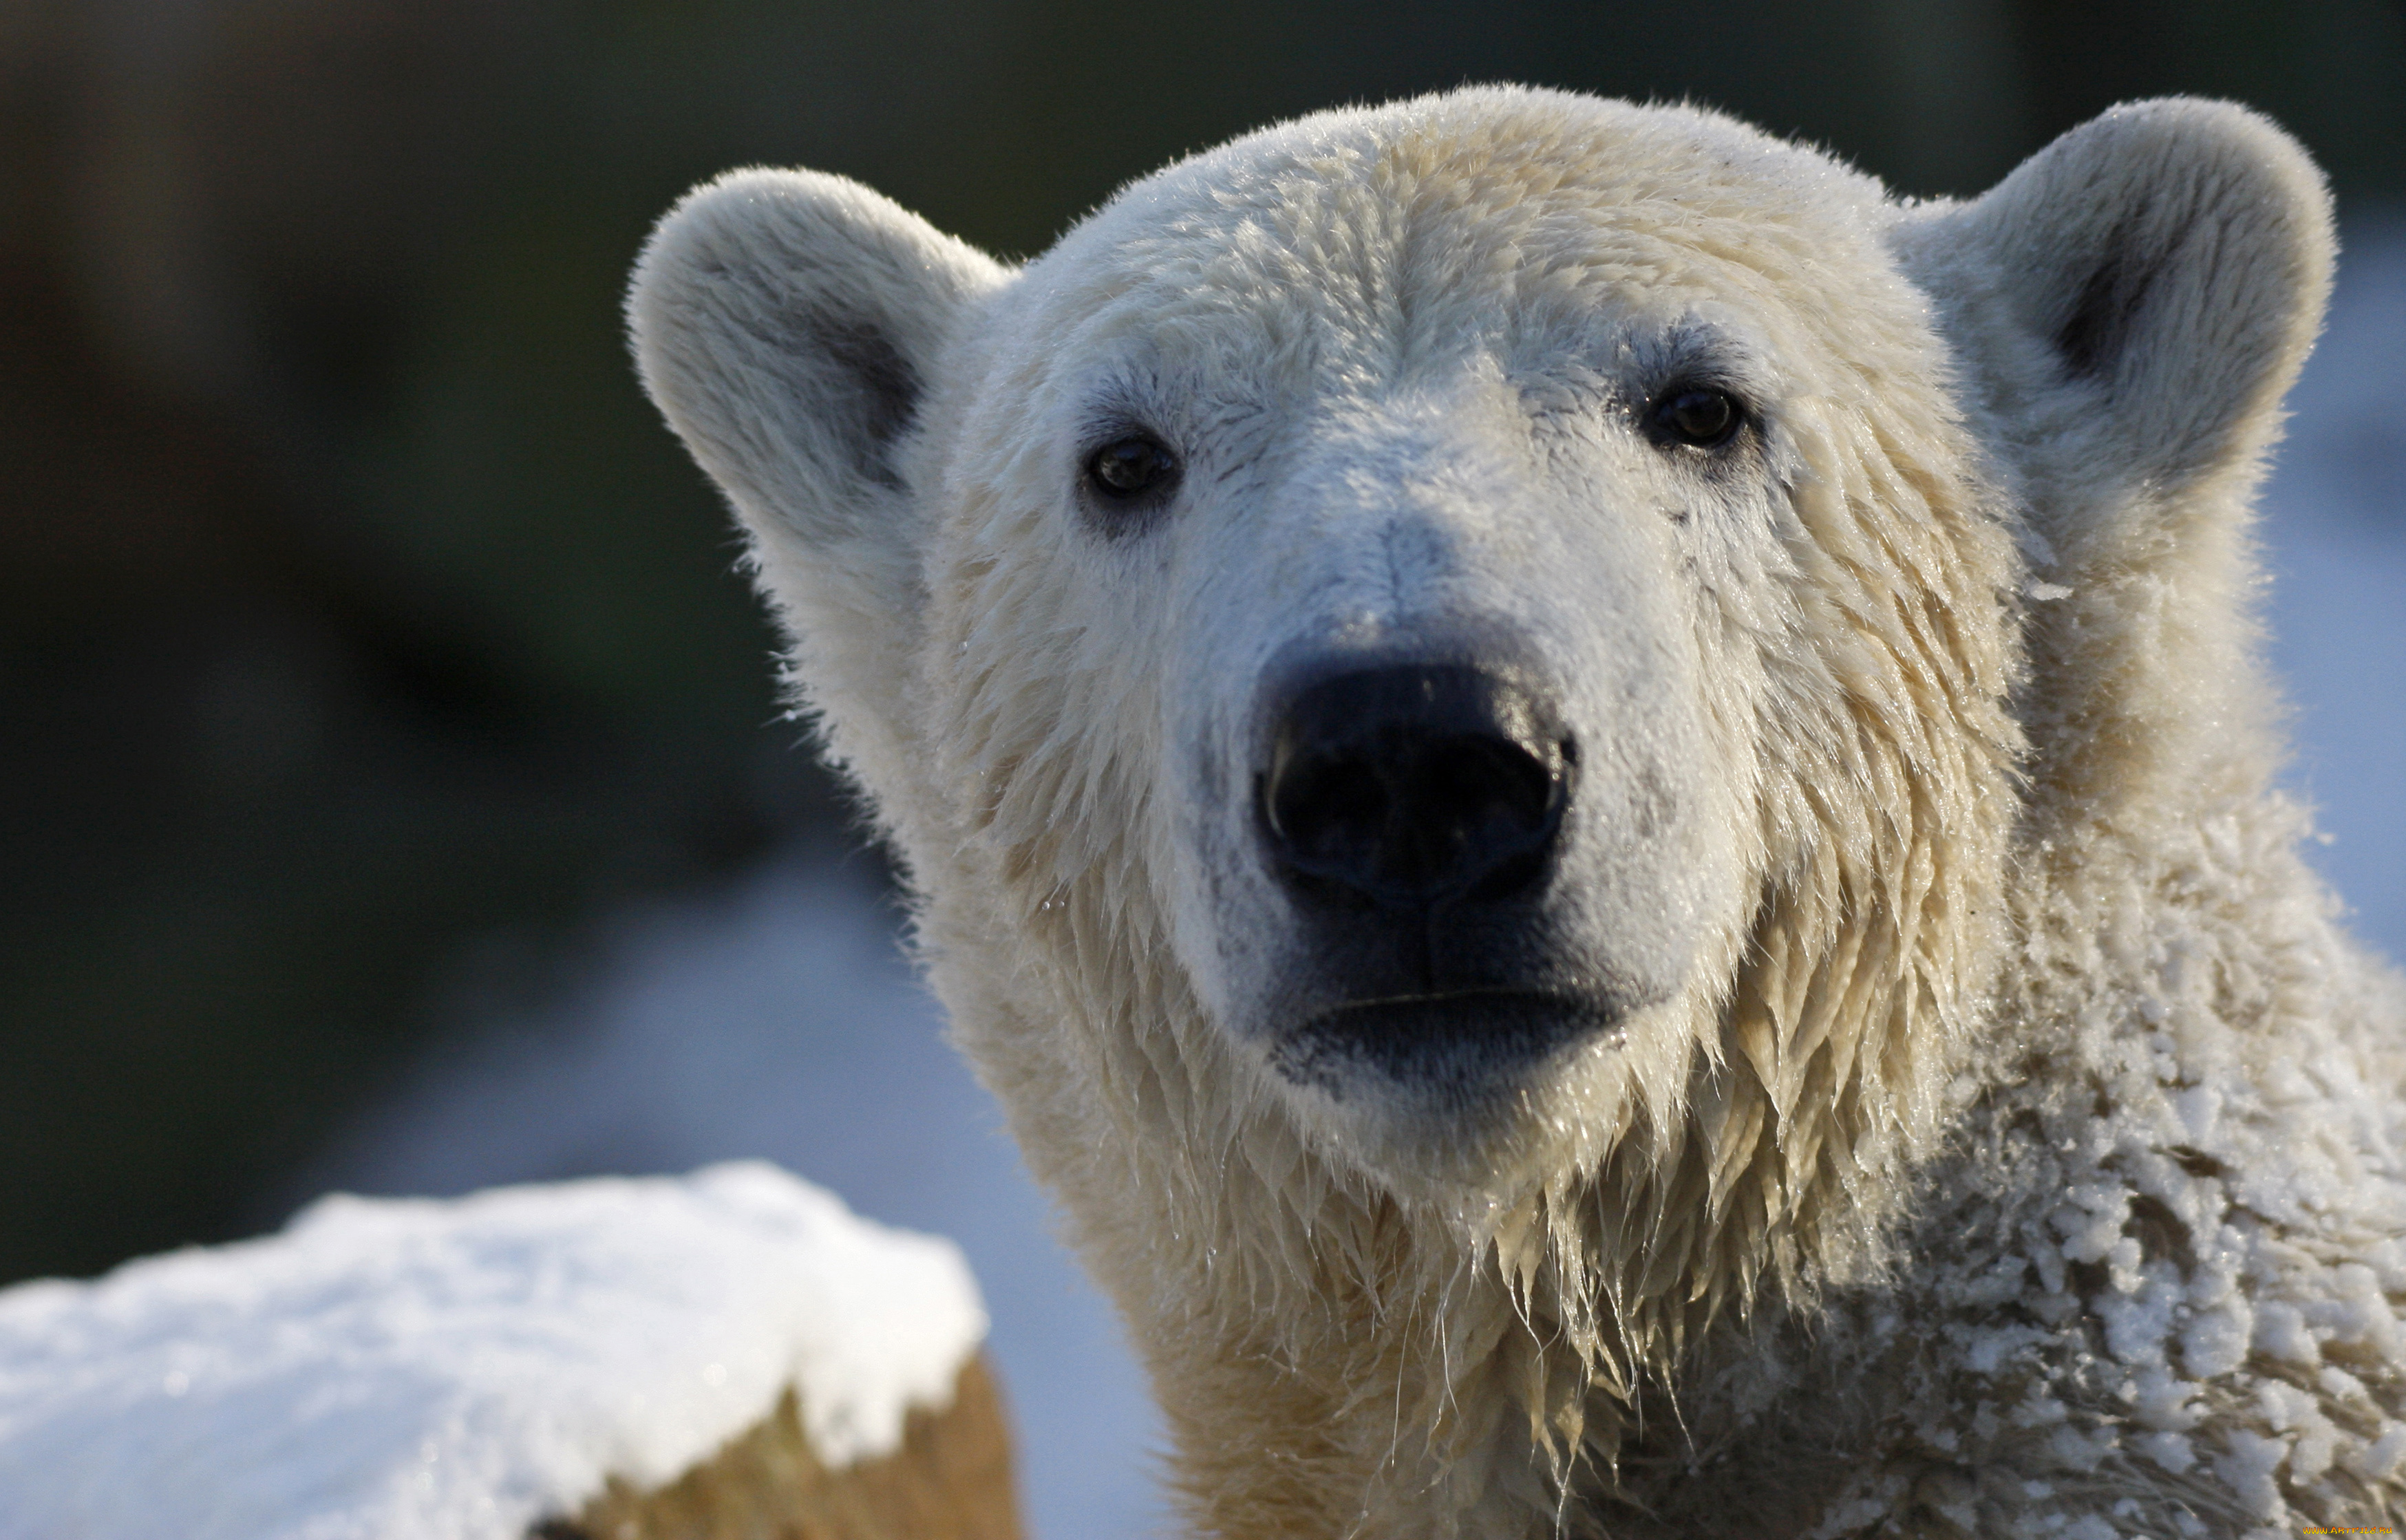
x=1131, y=467
x=1700, y=417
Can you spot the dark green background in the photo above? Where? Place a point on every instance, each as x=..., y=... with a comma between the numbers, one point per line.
x=361, y=634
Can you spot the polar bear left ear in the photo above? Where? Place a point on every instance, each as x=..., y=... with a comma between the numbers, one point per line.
x=2132, y=302
x=789, y=324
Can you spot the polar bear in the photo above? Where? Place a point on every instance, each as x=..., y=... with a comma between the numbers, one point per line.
x=1601, y=803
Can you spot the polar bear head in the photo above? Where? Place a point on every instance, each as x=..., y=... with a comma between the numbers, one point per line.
x=1452, y=678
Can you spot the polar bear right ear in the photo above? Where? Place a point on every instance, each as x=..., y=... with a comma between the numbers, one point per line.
x=2132, y=302
x=788, y=323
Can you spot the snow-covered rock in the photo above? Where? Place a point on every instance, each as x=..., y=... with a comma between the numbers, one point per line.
x=392, y=1369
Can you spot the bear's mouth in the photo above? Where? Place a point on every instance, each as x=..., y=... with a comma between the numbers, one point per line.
x=1453, y=1048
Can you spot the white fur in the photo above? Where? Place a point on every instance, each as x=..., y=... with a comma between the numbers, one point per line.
x=2005, y=1142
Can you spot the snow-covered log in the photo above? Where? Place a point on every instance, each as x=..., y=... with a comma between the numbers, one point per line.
x=730, y=1355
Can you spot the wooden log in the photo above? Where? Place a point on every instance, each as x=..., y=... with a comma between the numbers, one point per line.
x=950, y=1481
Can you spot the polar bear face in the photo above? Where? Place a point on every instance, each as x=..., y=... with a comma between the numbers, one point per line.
x=1423, y=530
x=1461, y=651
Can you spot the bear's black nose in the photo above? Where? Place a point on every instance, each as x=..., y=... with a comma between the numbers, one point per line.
x=1407, y=786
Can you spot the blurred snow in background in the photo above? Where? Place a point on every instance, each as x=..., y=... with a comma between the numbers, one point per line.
x=2335, y=533
x=777, y=1019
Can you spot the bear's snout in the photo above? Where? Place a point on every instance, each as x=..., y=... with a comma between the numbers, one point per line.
x=1414, y=813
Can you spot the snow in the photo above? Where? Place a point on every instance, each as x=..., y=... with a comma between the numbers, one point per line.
x=414, y=1368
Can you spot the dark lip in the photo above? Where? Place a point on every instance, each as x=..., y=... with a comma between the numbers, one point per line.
x=1447, y=1049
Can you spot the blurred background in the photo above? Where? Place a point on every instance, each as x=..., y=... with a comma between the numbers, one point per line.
x=392, y=793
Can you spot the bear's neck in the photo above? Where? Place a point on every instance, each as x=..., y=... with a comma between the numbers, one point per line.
x=1470, y=1407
